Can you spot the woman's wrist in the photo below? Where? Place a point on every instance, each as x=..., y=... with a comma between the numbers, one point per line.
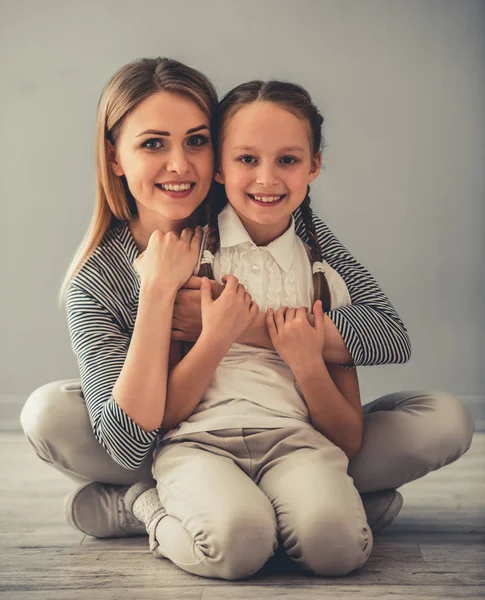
x=154, y=292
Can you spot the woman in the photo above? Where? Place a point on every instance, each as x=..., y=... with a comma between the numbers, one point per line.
x=154, y=167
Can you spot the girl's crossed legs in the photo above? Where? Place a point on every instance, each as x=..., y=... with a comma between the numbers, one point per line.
x=228, y=495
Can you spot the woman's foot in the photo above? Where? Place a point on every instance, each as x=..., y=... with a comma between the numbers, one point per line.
x=381, y=508
x=100, y=510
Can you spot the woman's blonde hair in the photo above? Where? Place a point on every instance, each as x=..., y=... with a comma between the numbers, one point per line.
x=132, y=84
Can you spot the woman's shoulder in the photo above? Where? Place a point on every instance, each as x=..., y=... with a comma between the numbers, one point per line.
x=108, y=270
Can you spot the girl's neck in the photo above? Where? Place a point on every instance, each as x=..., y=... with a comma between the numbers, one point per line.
x=264, y=234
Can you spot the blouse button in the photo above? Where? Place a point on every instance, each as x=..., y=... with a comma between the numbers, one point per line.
x=255, y=268
x=253, y=247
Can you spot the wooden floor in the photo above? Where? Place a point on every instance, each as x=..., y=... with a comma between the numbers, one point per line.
x=435, y=549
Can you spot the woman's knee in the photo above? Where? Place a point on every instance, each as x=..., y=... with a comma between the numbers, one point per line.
x=450, y=428
x=45, y=411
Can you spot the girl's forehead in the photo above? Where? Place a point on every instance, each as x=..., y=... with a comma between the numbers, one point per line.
x=266, y=122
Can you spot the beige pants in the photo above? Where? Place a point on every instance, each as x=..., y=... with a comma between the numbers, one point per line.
x=406, y=435
x=230, y=496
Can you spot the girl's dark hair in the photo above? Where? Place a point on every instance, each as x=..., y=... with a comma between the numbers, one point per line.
x=297, y=100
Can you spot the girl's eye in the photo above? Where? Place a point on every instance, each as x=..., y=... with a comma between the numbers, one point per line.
x=152, y=144
x=247, y=159
x=197, y=140
x=289, y=160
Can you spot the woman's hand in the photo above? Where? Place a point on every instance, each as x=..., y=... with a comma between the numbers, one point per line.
x=296, y=340
x=226, y=318
x=187, y=318
x=169, y=259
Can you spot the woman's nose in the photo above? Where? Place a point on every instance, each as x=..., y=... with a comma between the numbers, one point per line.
x=177, y=162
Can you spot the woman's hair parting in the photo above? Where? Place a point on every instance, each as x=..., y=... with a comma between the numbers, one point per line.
x=127, y=88
x=297, y=100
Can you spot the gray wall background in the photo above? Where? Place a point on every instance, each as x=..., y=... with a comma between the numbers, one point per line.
x=401, y=84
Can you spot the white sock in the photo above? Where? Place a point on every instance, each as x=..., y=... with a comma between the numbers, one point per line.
x=147, y=505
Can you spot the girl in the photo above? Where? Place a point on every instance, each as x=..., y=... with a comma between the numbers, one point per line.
x=241, y=464
x=154, y=166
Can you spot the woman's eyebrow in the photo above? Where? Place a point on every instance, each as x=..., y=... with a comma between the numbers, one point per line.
x=167, y=133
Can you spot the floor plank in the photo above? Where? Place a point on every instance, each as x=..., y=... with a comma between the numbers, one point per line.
x=435, y=548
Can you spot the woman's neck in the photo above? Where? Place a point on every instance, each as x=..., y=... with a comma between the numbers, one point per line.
x=142, y=228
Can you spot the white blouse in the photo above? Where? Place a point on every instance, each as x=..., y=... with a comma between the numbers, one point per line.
x=254, y=387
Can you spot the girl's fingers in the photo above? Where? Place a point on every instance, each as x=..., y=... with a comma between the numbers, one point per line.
x=205, y=293
x=231, y=282
x=247, y=298
x=279, y=316
x=271, y=324
x=290, y=315
x=318, y=316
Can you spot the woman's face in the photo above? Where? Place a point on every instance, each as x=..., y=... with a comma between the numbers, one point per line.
x=164, y=150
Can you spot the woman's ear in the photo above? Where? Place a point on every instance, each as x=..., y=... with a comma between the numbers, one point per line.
x=316, y=165
x=112, y=160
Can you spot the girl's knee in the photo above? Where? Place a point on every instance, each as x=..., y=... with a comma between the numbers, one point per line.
x=242, y=545
x=332, y=545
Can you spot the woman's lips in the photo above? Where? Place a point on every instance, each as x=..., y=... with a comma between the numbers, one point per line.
x=176, y=193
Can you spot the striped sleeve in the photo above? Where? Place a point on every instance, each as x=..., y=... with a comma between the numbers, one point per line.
x=370, y=327
x=101, y=347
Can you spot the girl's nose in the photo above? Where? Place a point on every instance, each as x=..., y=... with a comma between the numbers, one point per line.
x=266, y=175
x=177, y=162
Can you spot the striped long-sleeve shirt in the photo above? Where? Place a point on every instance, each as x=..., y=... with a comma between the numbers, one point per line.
x=102, y=303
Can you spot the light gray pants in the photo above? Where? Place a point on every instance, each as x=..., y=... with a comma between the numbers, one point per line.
x=230, y=496
x=406, y=435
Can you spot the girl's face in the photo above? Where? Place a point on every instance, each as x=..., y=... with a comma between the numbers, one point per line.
x=266, y=165
x=165, y=153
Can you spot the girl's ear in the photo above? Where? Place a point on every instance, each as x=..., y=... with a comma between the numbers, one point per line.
x=112, y=160
x=315, y=167
x=219, y=177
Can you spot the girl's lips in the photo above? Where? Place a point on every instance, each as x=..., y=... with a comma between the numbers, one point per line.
x=267, y=204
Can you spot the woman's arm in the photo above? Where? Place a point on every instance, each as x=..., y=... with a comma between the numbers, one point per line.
x=367, y=332
x=124, y=378
x=370, y=327
x=331, y=393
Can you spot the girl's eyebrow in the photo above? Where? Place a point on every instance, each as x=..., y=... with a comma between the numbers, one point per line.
x=167, y=133
x=285, y=149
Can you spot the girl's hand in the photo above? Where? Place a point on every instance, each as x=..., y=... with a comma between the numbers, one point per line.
x=226, y=318
x=169, y=259
x=297, y=341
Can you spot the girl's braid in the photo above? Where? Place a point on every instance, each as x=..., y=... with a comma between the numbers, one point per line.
x=320, y=284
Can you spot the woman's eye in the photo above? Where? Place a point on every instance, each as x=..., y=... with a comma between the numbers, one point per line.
x=289, y=160
x=247, y=160
x=197, y=140
x=152, y=144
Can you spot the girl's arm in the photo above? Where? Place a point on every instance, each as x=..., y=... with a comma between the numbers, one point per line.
x=331, y=393
x=223, y=321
